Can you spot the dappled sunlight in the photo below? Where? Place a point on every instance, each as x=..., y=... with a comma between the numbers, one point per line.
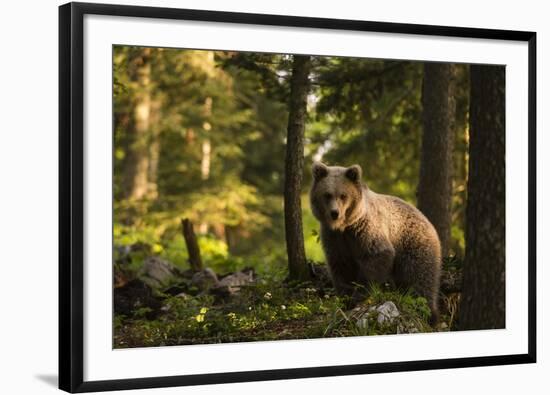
x=208, y=147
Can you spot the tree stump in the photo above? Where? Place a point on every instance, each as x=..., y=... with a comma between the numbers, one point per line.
x=192, y=246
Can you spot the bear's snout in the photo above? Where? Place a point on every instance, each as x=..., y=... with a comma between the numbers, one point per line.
x=334, y=214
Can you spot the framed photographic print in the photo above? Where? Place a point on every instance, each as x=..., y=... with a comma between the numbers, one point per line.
x=251, y=197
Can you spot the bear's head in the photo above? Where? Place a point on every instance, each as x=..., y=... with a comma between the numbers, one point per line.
x=337, y=195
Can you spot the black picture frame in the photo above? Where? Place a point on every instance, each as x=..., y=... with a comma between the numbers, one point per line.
x=71, y=198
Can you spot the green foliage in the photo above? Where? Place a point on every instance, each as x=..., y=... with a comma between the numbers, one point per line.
x=214, y=144
x=373, y=109
x=271, y=311
x=361, y=111
x=312, y=243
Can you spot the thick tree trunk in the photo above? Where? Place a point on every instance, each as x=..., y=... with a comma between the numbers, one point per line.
x=436, y=163
x=193, y=249
x=483, y=291
x=294, y=164
x=137, y=162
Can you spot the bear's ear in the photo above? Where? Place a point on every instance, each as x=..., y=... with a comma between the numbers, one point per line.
x=319, y=170
x=354, y=173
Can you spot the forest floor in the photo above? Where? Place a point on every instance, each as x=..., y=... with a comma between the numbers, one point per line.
x=206, y=308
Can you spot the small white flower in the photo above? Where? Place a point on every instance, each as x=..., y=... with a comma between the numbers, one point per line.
x=283, y=307
x=267, y=295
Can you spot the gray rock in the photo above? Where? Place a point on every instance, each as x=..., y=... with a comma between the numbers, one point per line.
x=387, y=311
x=234, y=281
x=363, y=322
x=158, y=273
x=384, y=313
x=205, y=279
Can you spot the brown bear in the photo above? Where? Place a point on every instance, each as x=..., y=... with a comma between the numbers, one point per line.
x=370, y=237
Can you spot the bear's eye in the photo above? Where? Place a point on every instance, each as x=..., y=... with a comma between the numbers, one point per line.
x=343, y=196
x=328, y=196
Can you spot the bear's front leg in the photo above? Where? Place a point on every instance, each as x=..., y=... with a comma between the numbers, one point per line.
x=343, y=273
x=345, y=278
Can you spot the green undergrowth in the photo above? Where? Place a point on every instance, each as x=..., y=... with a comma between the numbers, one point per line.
x=266, y=311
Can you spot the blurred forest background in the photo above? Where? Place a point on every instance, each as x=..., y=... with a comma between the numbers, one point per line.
x=202, y=136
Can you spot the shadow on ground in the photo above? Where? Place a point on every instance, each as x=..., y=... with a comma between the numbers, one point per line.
x=50, y=379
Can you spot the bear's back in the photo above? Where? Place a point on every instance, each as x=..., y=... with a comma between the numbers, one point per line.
x=406, y=224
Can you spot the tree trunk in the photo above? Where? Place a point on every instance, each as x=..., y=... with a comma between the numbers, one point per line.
x=436, y=163
x=154, y=151
x=192, y=246
x=206, y=151
x=206, y=148
x=294, y=164
x=483, y=295
x=137, y=163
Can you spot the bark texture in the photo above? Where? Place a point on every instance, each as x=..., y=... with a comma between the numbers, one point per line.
x=294, y=165
x=483, y=291
x=436, y=163
x=137, y=164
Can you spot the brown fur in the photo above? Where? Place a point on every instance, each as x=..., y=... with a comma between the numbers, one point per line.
x=375, y=238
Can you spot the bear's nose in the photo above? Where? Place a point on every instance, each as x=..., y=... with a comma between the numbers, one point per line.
x=334, y=214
